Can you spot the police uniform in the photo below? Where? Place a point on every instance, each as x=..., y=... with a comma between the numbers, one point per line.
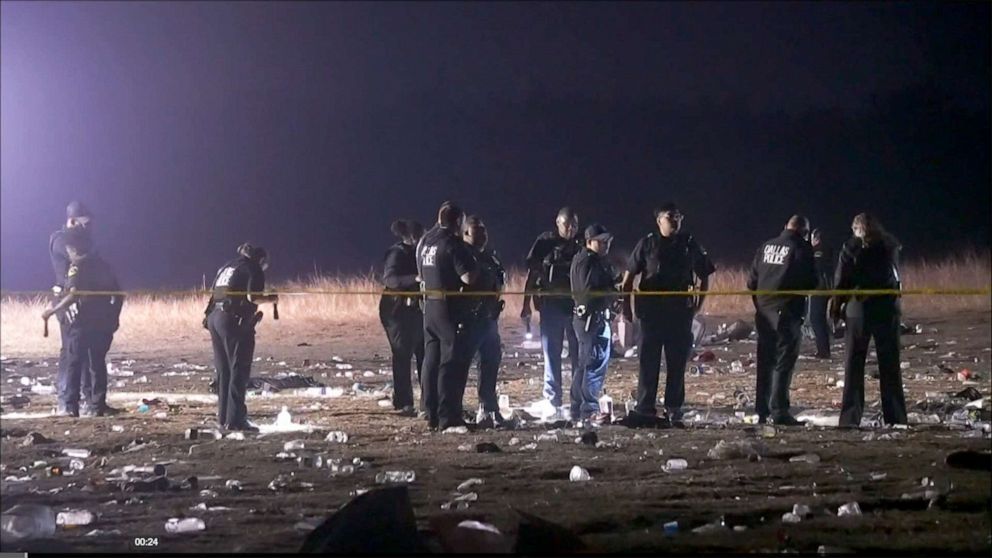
x=442, y=257
x=824, y=263
x=666, y=264
x=231, y=319
x=874, y=266
x=483, y=327
x=60, y=265
x=89, y=325
x=591, y=323
x=550, y=261
x=782, y=263
x=402, y=319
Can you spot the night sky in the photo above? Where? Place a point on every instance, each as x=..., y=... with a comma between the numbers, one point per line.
x=190, y=127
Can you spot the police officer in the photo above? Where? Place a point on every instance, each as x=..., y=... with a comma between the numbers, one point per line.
x=782, y=263
x=869, y=260
x=591, y=272
x=666, y=260
x=445, y=263
x=483, y=324
x=88, y=322
x=78, y=220
x=231, y=318
x=548, y=266
x=400, y=315
x=824, y=261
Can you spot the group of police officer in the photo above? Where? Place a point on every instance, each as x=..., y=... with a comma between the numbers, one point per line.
x=429, y=313
x=580, y=293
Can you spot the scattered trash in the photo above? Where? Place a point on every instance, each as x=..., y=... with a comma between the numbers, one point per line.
x=588, y=438
x=27, y=521
x=810, y=458
x=185, y=525
x=284, y=418
x=293, y=445
x=337, y=437
x=851, y=508
x=80, y=453
x=737, y=449
x=289, y=483
x=675, y=465
x=469, y=484
x=790, y=517
x=671, y=528
x=74, y=518
x=103, y=533
x=233, y=485
x=117, y=428
x=35, y=438
x=487, y=447
x=802, y=510
x=877, y=476
x=395, y=477
x=578, y=474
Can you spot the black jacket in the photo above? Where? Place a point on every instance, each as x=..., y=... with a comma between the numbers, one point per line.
x=869, y=266
x=399, y=273
x=784, y=263
x=96, y=312
x=592, y=272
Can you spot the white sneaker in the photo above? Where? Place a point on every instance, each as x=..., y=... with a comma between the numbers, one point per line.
x=542, y=408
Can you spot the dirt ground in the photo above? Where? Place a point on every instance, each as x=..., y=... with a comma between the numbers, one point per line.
x=622, y=509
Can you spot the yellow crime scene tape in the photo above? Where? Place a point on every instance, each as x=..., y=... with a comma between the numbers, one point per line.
x=537, y=294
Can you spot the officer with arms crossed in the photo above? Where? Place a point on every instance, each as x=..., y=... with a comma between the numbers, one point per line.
x=231, y=317
x=666, y=260
x=869, y=260
x=483, y=325
x=548, y=266
x=591, y=273
x=88, y=323
x=445, y=263
x=783, y=263
x=400, y=315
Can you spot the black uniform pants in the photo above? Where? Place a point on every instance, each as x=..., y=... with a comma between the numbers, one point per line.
x=818, y=321
x=779, y=336
x=405, y=331
x=671, y=332
x=234, y=347
x=83, y=367
x=485, y=341
x=446, y=363
x=884, y=328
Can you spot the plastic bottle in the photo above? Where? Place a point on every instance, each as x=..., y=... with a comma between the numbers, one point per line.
x=737, y=367
x=676, y=465
x=395, y=476
x=284, y=418
x=74, y=518
x=672, y=528
x=606, y=405
x=80, y=453
x=185, y=525
x=293, y=445
x=27, y=521
x=337, y=437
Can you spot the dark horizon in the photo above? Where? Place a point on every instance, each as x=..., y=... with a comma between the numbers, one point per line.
x=306, y=128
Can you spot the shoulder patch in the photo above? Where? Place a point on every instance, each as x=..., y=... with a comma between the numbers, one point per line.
x=73, y=270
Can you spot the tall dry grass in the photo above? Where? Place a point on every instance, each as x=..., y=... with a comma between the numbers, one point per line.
x=157, y=320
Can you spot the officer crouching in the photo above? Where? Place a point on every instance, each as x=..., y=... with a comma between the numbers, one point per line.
x=592, y=272
x=231, y=316
x=483, y=321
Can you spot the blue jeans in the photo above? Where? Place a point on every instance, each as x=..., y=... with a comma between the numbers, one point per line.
x=594, y=359
x=556, y=324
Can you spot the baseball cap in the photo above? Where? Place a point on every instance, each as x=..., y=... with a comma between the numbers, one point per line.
x=76, y=210
x=597, y=232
